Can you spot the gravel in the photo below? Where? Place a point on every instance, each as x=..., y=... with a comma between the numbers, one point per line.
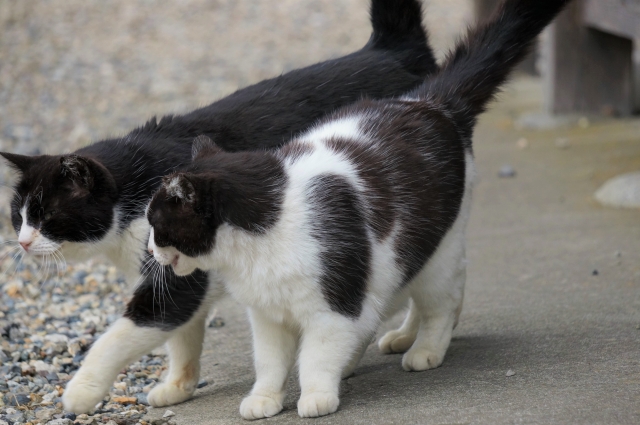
x=73, y=71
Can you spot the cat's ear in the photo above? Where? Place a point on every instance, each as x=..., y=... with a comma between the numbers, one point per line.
x=79, y=170
x=180, y=187
x=203, y=144
x=19, y=162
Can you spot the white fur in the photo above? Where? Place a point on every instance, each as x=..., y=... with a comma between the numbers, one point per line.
x=175, y=189
x=277, y=275
x=347, y=128
x=36, y=243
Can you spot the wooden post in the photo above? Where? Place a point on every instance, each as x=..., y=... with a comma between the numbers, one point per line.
x=588, y=69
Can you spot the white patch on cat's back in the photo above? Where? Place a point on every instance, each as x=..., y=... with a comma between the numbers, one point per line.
x=347, y=127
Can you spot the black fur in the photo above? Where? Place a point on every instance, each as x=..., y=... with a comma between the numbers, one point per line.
x=242, y=189
x=411, y=161
x=339, y=226
x=167, y=303
x=124, y=172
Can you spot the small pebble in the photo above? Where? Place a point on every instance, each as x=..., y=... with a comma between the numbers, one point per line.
x=202, y=383
x=142, y=398
x=17, y=399
x=168, y=414
x=216, y=322
x=510, y=372
x=506, y=171
x=583, y=122
x=125, y=400
x=63, y=421
x=595, y=272
x=522, y=143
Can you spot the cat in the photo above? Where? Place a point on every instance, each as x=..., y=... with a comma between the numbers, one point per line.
x=92, y=202
x=327, y=236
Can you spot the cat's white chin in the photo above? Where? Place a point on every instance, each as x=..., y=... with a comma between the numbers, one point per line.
x=182, y=269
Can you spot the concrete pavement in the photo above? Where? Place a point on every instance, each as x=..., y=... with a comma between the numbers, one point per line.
x=553, y=294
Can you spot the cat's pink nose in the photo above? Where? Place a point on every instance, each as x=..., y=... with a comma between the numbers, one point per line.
x=25, y=245
x=150, y=250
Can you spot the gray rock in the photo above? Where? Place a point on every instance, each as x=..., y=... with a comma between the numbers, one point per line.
x=62, y=421
x=507, y=171
x=216, y=322
x=16, y=417
x=620, y=192
x=16, y=399
x=202, y=383
x=142, y=398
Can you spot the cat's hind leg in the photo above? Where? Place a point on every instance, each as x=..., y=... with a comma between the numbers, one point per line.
x=274, y=348
x=436, y=294
x=184, y=348
x=401, y=339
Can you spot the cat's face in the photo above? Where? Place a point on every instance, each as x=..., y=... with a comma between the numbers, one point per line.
x=183, y=220
x=60, y=201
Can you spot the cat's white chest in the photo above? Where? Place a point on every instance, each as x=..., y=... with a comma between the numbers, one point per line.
x=265, y=272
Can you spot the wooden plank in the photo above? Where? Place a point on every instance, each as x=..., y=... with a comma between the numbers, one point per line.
x=587, y=70
x=617, y=17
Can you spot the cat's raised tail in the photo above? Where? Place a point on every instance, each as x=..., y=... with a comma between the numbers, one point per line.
x=474, y=71
x=397, y=26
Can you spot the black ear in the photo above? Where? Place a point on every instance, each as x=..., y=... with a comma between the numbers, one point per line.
x=79, y=170
x=202, y=144
x=178, y=186
x=19, y=162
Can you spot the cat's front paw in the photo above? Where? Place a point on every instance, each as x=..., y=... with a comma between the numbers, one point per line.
x=317, y=404
x=82, y=394
x=418, y=359
x=166, y=394
x=258, y=407
x=396, y=342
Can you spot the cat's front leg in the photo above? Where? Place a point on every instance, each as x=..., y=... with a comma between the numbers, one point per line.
x=274, y=350
x=184, y=348
x=122, y=344
x=329, y=343
x=181, y=307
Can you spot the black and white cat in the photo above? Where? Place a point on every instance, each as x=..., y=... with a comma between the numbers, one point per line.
x=325, y=237
x=92, y=202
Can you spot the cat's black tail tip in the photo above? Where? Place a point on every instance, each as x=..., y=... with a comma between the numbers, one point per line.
x=397, y=21
x=397, y=28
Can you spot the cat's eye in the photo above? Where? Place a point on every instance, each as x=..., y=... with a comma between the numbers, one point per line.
x=49, y=214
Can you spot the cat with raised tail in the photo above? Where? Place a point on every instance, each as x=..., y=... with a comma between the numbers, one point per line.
x=325, y=237
x=92, y=202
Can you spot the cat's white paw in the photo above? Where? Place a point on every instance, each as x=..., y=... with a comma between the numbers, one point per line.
x=396, y=342
x=258, y=407
x=317, y=404
x=418, y=359
x=82, y=394
x=166, y=394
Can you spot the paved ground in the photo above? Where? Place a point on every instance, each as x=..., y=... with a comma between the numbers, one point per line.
x=534, y=303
